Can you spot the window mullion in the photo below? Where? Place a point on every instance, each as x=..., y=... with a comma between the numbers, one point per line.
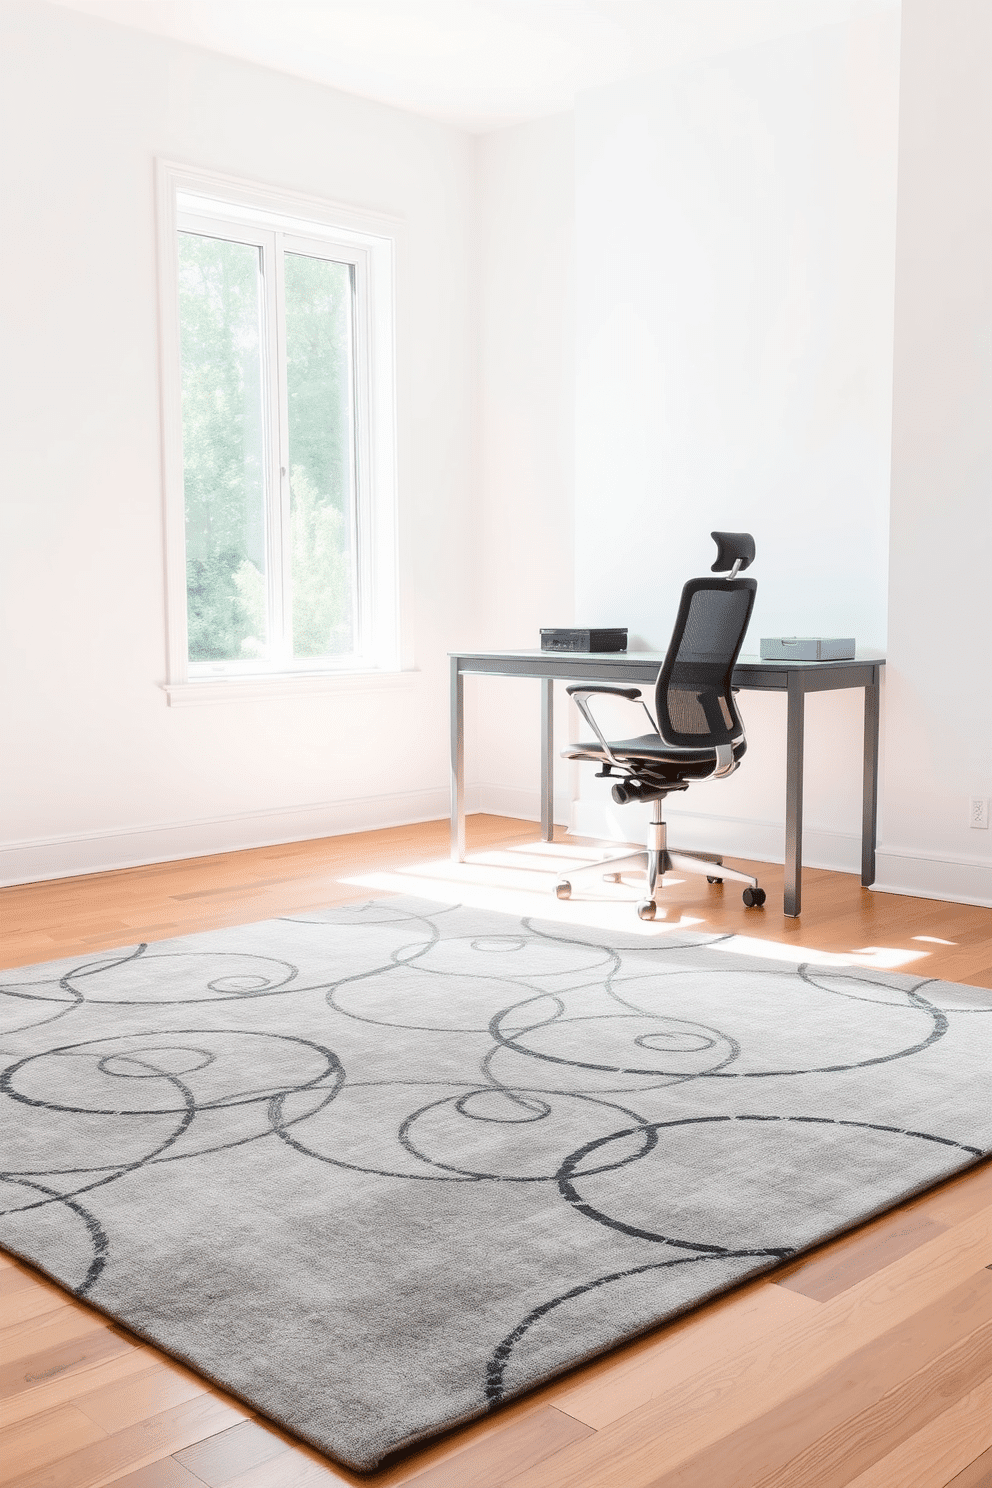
x=280, y=646
x=285, y=498
x=363, y=577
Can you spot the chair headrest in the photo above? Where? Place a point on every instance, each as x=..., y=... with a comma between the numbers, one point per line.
x=731, y=548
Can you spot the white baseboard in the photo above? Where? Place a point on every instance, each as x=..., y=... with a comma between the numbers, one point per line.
x=926, y=875
x=917, y=873
x=899, y=870
x=39, y=858
x=738, y=837
x=507, y=800
x=163, y=842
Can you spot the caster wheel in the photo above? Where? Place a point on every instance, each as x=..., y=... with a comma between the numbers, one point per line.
x=713, y=880
x=563, y=889
x=754, y=898
x=646, y=909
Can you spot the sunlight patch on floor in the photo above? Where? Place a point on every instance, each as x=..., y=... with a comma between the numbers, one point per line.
x=520, y=881
x=488, y=886
x=879, y=958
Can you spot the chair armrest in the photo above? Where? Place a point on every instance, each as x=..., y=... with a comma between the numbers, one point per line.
x=581, y=693
x=632, y=693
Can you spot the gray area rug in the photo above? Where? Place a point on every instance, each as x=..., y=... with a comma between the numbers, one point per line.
x=377, y=1168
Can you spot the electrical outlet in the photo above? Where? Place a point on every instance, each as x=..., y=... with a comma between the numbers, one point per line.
x=979, y=815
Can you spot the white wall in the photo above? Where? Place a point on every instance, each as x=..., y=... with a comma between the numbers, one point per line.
x=728, y=257
x=735, y=267
x=939, y=703
x=97, y=771
x=526, y=236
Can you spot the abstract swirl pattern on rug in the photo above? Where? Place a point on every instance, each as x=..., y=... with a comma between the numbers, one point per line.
x=376, y=1169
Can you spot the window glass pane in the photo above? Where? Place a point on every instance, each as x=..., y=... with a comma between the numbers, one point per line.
x=223, y=447
x=319, y=374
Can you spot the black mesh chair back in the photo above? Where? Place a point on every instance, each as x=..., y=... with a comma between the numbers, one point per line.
x=700, y=732
x=694, y=702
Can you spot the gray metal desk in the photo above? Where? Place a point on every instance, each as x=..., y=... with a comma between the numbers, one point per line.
x=795, y=678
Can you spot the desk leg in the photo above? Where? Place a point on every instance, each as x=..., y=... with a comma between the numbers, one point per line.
x=457, y=722
x=547, y=759
x=869, y=807
x=794, y=796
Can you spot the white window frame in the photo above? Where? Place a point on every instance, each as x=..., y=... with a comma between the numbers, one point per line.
x=192, y=200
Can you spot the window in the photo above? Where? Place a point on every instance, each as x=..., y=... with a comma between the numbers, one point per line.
x=279, y=434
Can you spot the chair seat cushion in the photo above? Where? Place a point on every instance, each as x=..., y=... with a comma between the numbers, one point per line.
x=653, y=751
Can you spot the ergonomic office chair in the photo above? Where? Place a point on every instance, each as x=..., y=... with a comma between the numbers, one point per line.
x=697, y=733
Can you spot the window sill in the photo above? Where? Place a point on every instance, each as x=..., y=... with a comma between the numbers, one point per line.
x=283, y=685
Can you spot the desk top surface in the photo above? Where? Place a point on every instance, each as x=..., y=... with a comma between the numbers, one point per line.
x=862, y=656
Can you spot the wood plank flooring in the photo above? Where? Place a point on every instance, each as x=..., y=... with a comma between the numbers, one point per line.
x=867, y=1364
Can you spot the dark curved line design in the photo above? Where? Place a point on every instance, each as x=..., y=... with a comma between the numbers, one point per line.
x=94, y=1230
x=500, y=1358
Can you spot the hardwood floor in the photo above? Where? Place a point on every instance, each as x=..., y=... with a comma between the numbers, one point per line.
x=867, y=1363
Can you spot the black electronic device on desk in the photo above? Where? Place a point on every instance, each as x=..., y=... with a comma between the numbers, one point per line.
x=614, y=639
